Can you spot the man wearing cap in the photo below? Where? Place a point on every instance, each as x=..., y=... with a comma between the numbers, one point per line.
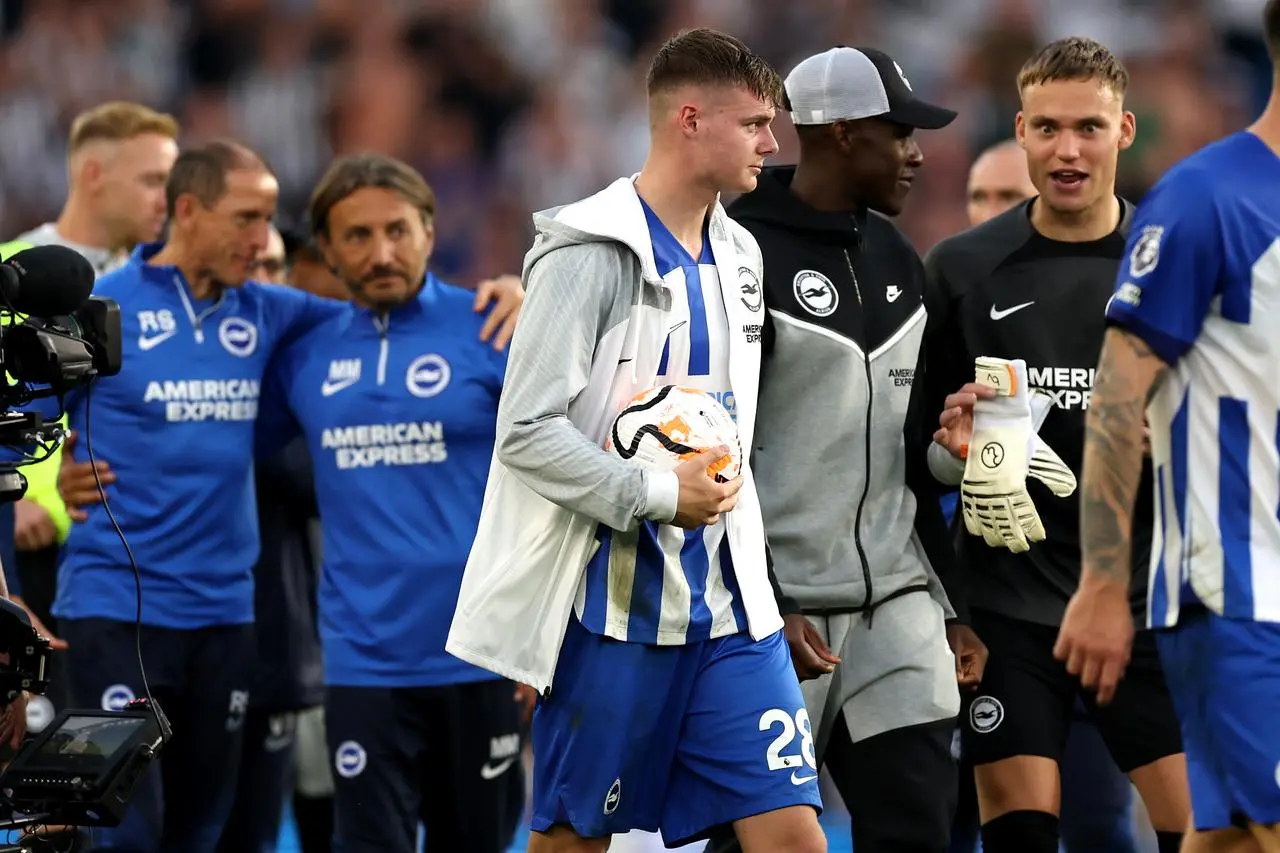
x=853, y=519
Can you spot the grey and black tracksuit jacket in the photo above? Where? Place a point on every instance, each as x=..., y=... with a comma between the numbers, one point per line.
x=850, y=508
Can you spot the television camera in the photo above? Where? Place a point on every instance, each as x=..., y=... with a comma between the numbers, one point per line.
x=55, y=337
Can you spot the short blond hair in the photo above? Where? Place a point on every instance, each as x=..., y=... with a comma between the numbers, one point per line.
x=117, y=121
x=1075, y=58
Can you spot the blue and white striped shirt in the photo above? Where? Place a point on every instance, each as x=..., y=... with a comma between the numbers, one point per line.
x=1201, y=285
x=672, y=586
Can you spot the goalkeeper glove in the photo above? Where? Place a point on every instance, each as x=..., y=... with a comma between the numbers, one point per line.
x=1003, y=451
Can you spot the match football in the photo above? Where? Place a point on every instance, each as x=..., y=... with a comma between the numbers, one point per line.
x=664, y=426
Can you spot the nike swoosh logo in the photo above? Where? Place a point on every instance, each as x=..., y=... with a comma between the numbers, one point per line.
x=328, y=389
x=998, y=314
x=676, y=326
x=493, y=771
x=797, y=779
x=275, y=744
x=145, y=344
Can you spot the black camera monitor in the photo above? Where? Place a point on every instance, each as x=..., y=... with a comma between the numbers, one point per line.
x=83, y=768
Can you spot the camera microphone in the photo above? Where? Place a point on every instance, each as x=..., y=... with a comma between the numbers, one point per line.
x=46, y=281
x=64, y=334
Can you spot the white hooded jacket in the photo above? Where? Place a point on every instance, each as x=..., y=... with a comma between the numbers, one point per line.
x=590, y=338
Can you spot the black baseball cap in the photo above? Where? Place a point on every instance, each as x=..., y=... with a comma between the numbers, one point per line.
x=849, y=83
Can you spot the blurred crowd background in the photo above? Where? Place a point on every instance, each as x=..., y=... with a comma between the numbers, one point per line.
x=509, y=106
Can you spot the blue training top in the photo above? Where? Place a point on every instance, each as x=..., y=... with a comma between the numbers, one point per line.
x=176, y=426
x=400, y=415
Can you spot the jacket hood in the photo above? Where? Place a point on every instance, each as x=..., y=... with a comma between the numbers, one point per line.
x=773, y=204
x=613, y=215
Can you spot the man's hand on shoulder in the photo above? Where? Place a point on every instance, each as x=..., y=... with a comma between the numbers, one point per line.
x=506, y=293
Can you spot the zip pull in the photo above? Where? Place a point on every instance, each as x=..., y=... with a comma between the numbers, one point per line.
x=191, y=311
x=857, y=289
x=383, y=324
x=196, y=319
x=867, y=581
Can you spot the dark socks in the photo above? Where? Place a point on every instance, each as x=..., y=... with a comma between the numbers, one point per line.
x=1022, y=832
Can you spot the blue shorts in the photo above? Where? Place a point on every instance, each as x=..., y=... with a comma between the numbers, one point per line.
x=1224, y=675
x=679, y=739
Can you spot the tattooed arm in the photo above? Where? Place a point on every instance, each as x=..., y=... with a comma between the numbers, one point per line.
x=1172, y=269
x=1097, y=630
x=1128, y=374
